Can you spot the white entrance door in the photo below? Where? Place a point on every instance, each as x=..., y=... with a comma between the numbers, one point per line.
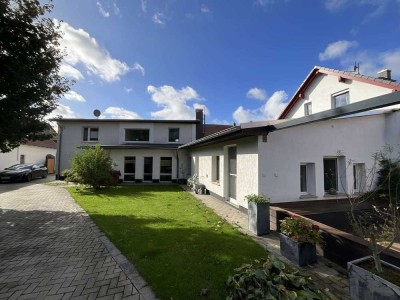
x=232, y=174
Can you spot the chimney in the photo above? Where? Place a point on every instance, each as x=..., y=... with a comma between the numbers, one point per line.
x=385, y=74
x=200, y=125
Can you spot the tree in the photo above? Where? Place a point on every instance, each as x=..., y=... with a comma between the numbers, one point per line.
x=30, y=58
x=380, y=225
x=93, y=166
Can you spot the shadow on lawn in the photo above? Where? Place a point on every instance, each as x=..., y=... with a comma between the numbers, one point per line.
x=179, y=260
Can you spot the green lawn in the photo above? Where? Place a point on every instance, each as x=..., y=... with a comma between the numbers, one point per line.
x=177, y=244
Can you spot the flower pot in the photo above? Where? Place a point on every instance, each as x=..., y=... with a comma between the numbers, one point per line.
x=365, y=285
x=302, y=254
x=258, y=214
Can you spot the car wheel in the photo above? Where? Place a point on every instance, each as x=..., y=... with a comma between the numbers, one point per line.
x=44, y=174
x=28, y=177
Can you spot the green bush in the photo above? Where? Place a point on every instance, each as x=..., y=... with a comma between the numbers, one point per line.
x=272, y=279
x=92, y=166
x=257, y=199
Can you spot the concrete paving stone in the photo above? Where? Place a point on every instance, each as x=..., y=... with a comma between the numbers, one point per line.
x=103, y=291
x=53, y=297
x=78, y=290
x=108, y=297
x=118, y=296
x=112, y=291
x=67, y=296
x=5, y=295
x=113, y=282
x=91, y=290
x=92, y=296
x=64, y=290
x=15, y=295
x=132, y=297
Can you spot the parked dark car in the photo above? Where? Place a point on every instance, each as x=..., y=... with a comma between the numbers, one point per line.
x=23, y=172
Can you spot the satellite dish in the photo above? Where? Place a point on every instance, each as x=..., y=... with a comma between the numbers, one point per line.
x=96, y=113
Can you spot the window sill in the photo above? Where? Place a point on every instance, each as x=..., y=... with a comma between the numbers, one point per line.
x=326, y=195
x=308, y=196
x=216, y=183
x=90, y=141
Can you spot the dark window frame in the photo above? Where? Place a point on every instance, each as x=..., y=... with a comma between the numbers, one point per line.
x=87, y=134
x=173, y=135
x=143, y=135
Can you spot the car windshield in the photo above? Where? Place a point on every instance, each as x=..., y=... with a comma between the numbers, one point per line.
x=19, y=167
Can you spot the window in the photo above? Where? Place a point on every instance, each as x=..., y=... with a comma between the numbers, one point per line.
x=129, y=168
x=137, y=135
x=166, y=169
x=148, y=169
x=90, y=134
x=303, y=178
x=307, y=179
x=215, y=168
x=308, y=109
x=330, y=174
x=22, y=159
x=340, y=100
x=173, y=135
x=359, y=177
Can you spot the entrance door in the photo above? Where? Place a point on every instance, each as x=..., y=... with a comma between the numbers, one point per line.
x=232, y=174
x=148, y=169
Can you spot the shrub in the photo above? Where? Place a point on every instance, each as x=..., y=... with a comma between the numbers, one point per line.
x=271, y=279
x=300, y=230
x=257, y=199
x=93, y=166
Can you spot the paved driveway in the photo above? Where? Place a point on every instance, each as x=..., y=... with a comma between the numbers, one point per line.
x=50, y=249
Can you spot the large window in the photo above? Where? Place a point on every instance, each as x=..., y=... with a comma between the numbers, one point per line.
x=129, y=168
x=173, y=135
x=307, y=179
x=308, y=109
x=330, y=174
x=148, y=169
x=340, y=100
x=215, y=168
x=90, y=134
x=303, y=178
x=166, y=169
x=359, y=177
x=137, y=135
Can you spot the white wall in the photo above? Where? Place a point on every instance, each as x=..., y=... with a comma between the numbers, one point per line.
x=247, y=172
x=112, y=133
x=32, y=154
x=280, y=158
x=320, y=92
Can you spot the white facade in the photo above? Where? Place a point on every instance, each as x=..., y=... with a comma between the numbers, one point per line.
x=111, y=135
x=322, y=90
x=309, y=161
x=31, y=154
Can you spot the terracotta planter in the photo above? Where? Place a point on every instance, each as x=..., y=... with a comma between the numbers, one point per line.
x=258, y=214
x=302, y=254
x=366, y=285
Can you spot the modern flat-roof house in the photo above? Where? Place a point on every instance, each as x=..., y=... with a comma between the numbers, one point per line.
x=296, y=158
x=142, y=150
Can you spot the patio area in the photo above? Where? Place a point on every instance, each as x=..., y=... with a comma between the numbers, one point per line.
x=325, y=273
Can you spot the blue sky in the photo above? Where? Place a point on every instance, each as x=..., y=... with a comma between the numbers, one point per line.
x=240, y=60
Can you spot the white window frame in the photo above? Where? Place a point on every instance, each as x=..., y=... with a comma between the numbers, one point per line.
x=340, y=94
x=307, y=108
x=127, y=141
x=89, y=133
x=306, y=191
x=179, y=132
x=359, y=177
x=216, y=169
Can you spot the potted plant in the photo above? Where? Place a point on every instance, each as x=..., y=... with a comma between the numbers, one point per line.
x=298, y=240
x=258, y=213
x=380, y=228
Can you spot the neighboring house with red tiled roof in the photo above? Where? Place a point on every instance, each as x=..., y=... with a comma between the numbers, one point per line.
x=317, y=134
x=30, y=152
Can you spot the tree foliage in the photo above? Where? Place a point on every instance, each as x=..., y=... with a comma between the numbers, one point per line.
x=30, y=58
x=93, y=166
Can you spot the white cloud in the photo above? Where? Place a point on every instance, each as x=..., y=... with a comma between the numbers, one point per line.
x=256, y=93
x=173, y=102
x=144, y=5
x=116, y=8
x=70, y=72
x=74, y=96
x=269, y=111
x=63, y=111
x=113, y=112
x=103, y=12
x=263, y=2
x=204, y=9
x=159, y=18
x=128, y=90
x=391, y=60
x=334, y=5
x=336, y=49
x=139, y=68
x=83, y=49
x=220, y=122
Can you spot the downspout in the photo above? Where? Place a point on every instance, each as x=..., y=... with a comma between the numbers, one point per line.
x=177, y=166
x=60, y=130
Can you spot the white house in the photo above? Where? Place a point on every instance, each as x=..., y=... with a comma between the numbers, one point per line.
x=142, y=150
x=30, y=152
x=303, y=160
